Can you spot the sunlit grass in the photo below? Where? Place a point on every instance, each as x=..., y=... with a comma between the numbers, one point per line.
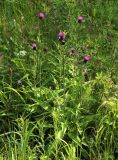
x=58, y=80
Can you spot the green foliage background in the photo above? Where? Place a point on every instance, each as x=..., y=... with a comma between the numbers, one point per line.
x=63, y=108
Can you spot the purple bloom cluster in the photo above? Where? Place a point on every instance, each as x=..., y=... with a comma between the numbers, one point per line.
x=61, y=38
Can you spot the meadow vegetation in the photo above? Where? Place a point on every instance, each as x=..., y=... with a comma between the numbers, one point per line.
x=58, y=80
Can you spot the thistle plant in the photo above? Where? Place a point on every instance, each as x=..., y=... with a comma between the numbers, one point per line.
x=58, y=80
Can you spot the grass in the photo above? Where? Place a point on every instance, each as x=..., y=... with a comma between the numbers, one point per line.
x=53, y=103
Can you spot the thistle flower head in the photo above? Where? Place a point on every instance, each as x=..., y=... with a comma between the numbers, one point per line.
x=61, y=36
x=41, y=15
x=86, y=58
x=34, y=46
x=45, y=50
x=80, y=19
x=73, y=50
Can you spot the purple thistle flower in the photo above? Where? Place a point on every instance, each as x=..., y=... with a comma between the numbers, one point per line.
x=34, y=46
x=61, y=36
x=41, y=15
x=80, y=19
x=86, y=58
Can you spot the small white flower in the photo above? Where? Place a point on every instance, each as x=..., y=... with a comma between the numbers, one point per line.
x=22, y=53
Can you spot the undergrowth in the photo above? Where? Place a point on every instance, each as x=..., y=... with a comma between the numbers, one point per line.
x=58, y=80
